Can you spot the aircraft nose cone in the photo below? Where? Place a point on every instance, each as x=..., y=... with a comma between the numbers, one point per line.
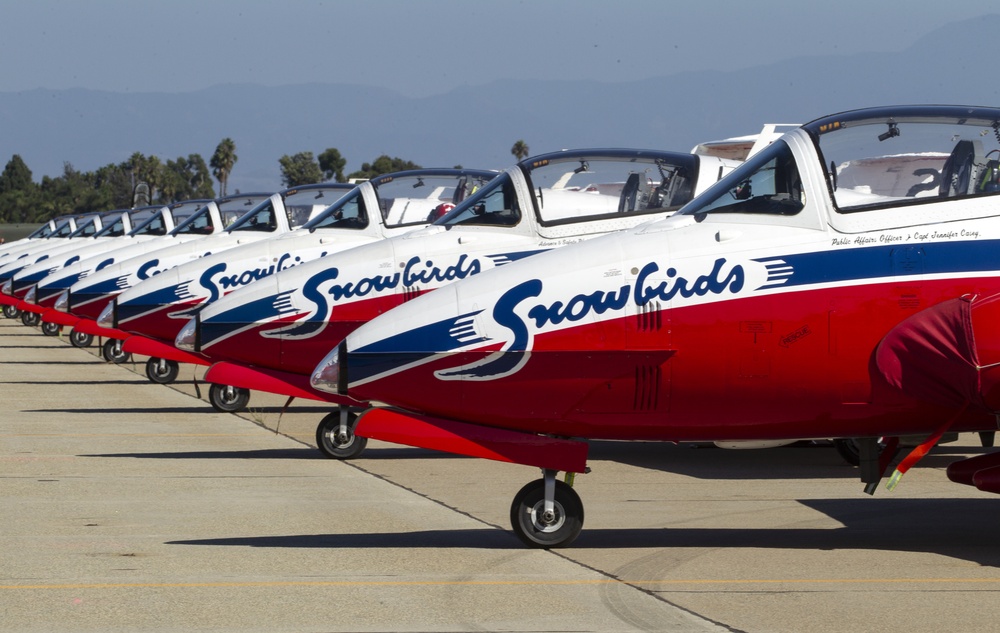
x=187, y=338
x=62, y=303
x=326, y=376
x=107, y=316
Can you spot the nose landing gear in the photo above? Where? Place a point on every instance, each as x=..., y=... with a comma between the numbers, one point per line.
x=228, y=399
x=113, y=353
x=547, y=513
x=161, y=370
x=335, y=435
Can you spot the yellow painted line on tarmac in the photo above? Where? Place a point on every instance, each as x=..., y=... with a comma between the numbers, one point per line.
x=470, y=583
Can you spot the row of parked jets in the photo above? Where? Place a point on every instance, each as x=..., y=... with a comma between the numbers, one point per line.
x=838, y=279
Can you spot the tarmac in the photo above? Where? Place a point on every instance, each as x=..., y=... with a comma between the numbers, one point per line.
x=131, y=506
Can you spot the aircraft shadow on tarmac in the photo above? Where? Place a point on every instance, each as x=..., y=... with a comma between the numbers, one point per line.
x=45, y=362
x=33, y=334
x=316, y=410
x=708, y=464
x=484, y=538
x=789, y=462
x=270, y=453
x=308, y=452
x=44, y=347
x=73, y=382
x=904, y=525
x=130, y=410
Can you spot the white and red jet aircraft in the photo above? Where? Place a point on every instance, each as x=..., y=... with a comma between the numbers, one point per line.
x=273, y=332
x=391, y=204
x=88, y=226
x=41, y=233
x=844, y=282
x=161, y=228
x=54, y=230
x=116, y=232
x=159, y=222
x=221, y=223
x=90, y=230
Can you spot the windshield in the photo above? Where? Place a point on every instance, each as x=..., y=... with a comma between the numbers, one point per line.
x=64, y=230
x=154, y=225
x=138, y=217
x=347, y=213
x=86, y=227
x=575, y=187
x=495, y=204
x=768, y=183
x=184, y=211
x=421, y=198
x=198, y=223
x=44, y=230
x=115, y=228
x=261, y=218
x=878, y=163
x=231, y=210
x=303, y=204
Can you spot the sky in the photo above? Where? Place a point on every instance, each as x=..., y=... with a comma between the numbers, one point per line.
x=425, y=47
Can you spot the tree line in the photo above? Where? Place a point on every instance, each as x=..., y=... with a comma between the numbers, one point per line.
x=113, y=186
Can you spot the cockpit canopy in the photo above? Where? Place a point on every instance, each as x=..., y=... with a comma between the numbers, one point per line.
x=408, y=198
x=580, y=185
x=873, y=159
x=304, y=203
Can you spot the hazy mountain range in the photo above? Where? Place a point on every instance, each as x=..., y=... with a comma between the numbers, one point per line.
x=476, y=126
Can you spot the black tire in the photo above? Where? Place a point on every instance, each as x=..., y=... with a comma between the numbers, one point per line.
x=162, y=371
x=11, y=312
x=113, y=353
x=527, y=521
x=228, y=399
x=335, y=445
x=31, y=319
x=51, y=329
x=848, y=449
x=79, y=339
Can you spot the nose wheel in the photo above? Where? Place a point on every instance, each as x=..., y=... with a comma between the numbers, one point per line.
x=547, y=513
x=162, y=371
x=113, y=353
x=51, y=329
x=227, y=398
x=11, y=312
x=335, y=435
x=31, y=319
x=79, y=339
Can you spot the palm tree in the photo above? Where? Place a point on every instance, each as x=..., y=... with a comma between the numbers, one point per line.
x=222, y=162
x=520, y=150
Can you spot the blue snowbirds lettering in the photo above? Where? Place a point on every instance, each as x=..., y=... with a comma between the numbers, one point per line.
x=515, y=353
